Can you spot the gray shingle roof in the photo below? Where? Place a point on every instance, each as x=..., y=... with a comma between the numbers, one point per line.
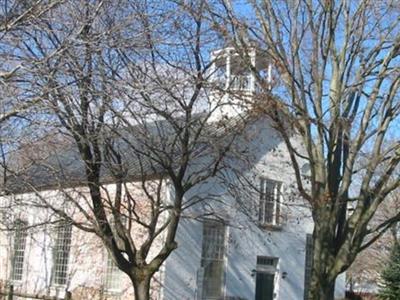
x=141, y=149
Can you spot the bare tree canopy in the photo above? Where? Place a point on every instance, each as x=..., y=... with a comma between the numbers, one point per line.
x=15, y=17
x=337, y=83
x=120, y=99
x=15, y=100
x=122, y=88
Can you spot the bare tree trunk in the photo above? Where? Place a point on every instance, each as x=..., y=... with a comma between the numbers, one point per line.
x=322, y=284
x=321, y=287
x=322, y=93
x=142, y=287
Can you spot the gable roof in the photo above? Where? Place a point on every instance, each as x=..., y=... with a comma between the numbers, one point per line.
x=63, y=167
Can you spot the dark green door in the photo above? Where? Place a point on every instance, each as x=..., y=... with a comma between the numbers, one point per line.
x=264, y=286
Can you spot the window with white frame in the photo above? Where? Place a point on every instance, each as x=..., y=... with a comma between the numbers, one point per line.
x=62, y=248
x=212, y=260
x=20, y=234
x=269, y=205
x=112, y=279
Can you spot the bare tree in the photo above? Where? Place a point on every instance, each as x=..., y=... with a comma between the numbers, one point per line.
x=337, y=88
x=15, y=16
x=127, y=95
x=364, y=273
x=15, y=103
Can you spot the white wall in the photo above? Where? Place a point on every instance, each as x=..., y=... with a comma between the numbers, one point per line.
x=87, y=259
x=266, y=156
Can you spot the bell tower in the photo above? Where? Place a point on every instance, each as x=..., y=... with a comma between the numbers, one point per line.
x=234, y=80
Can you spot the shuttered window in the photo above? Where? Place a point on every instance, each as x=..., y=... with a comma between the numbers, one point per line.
x=308, y=264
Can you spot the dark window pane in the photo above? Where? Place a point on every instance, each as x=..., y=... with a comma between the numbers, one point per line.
x=264, y=286
x=308, y=264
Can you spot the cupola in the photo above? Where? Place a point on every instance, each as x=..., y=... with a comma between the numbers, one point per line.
x=234, y=79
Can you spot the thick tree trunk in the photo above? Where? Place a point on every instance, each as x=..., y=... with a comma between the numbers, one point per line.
x=142, y=288
x=321, y=287
x=322, y=281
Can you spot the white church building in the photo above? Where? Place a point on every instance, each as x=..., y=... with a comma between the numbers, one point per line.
x=255, y=245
